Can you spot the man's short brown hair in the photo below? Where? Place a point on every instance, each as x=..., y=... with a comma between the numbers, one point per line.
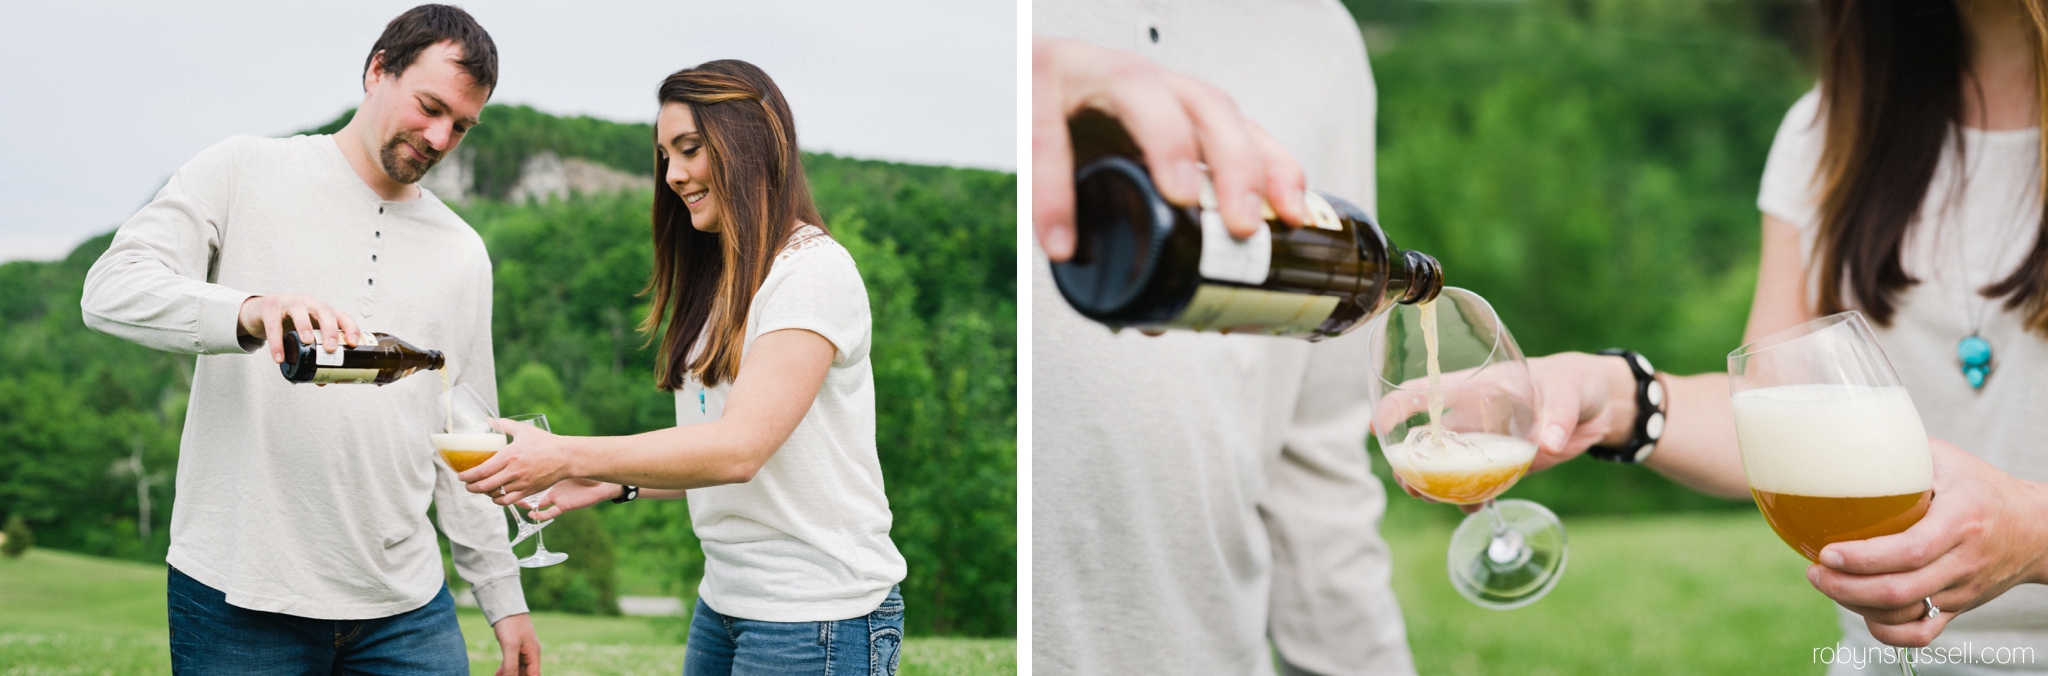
x=428, y=25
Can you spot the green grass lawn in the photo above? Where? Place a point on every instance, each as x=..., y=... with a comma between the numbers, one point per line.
x=1668, y=594
x=1674, y=594
x=64, y=614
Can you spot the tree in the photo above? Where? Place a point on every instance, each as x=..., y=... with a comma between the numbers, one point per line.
x=19, y=539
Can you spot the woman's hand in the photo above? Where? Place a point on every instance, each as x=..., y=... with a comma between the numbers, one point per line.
x=1586, y=400
x=1983, y=534
x=1583, y=399
x=535, y=460
x=575, y=494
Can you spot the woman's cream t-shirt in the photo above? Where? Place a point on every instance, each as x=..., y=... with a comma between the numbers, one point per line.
x=1979, y=219
x=807, y=540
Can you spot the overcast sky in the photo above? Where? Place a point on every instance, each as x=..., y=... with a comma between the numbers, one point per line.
x=101, y=101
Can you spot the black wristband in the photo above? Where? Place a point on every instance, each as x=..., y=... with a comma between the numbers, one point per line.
x=1649, y=423
x=628, y=494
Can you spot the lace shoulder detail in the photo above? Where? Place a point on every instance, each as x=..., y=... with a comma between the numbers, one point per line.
x=806, y=237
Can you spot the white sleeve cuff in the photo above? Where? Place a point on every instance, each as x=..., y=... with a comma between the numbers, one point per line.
x=220, y=315
x=500, y=598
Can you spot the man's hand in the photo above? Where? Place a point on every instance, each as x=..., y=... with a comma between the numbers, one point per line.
x=519, y=645
x=575, y=494
x=1176, y=120
x=1982, y=535
x=269, y=317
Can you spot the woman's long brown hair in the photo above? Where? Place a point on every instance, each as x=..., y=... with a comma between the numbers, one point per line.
x=1892, y=97
x=706, y=279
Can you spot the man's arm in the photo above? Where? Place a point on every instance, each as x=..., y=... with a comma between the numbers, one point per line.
x=474, y=525
x=1333, y=610
x=153, y=286
x=476, y=538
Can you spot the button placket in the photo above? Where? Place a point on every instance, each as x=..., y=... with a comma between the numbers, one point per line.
x=367, y=301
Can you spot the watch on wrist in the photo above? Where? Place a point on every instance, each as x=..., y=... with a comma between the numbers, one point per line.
x=626, y=494
x=1649, y=422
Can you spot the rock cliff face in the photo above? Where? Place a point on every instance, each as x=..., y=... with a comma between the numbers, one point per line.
x=453, y=178
x=543, y=176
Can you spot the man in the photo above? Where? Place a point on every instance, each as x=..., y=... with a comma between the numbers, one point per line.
x=1199, y=495
x=300, y=541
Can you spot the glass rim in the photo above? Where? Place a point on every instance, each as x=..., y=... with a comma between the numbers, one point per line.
x=465, y=391
x=1492, y=353
x=1785, y=336
x=539, y=420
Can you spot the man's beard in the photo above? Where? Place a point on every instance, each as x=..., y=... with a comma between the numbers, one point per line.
x=399, y=164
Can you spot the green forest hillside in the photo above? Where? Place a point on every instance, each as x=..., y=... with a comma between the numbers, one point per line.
x=935, y=245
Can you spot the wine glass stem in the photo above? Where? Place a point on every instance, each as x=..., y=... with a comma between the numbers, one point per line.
x=1507, y=549
x=1500, y=525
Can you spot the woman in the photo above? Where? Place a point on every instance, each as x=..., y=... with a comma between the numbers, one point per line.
x=764, y=339
x=1907, y=186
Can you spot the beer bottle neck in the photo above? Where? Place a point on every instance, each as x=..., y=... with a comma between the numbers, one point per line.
x=1412, y=276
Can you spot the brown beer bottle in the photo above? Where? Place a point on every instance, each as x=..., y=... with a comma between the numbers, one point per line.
x=381, y=363
x=1142, y=262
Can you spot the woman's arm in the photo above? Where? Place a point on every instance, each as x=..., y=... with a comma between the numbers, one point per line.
x=1590, y=400
x=778, y=380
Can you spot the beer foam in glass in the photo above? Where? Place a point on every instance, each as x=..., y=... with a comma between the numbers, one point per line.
x=1834, y=463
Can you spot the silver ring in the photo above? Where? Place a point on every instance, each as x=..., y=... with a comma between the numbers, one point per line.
x=1933, y=611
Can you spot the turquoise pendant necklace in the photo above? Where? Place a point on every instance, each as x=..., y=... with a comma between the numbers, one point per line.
x=1975, y=353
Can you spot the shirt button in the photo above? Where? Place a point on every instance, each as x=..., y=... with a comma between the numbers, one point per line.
x=373, y=258
x=380, y=234
x=373, y=282
x=380, y=209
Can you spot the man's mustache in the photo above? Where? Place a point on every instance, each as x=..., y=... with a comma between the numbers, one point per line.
x=426, y=151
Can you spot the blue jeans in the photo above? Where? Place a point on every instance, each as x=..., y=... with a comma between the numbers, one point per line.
x=208, y=636
x=730, y=646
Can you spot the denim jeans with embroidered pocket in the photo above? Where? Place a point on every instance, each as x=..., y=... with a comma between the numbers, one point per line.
x=868, y=645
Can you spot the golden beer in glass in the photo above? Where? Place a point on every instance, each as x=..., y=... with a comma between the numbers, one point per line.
x=1810, y=523
x=1455, y=412
x=463, y=451
x=1831, y=444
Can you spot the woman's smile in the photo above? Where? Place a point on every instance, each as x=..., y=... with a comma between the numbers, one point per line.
x=683, y=147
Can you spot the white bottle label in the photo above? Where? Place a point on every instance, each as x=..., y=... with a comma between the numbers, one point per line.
x=321, y=356
x=1227, y=259
x=1320, y=213
x=324, y=376
x=1255, y=311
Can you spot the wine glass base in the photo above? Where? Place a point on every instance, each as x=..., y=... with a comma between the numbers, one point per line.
x=527, y=530
x=543, y=559
x=1513, y=568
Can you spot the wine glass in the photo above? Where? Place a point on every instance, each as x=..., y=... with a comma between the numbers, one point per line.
x=471, y=436
x=1455, y=416
x=1831, y=444
x=541, y=556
